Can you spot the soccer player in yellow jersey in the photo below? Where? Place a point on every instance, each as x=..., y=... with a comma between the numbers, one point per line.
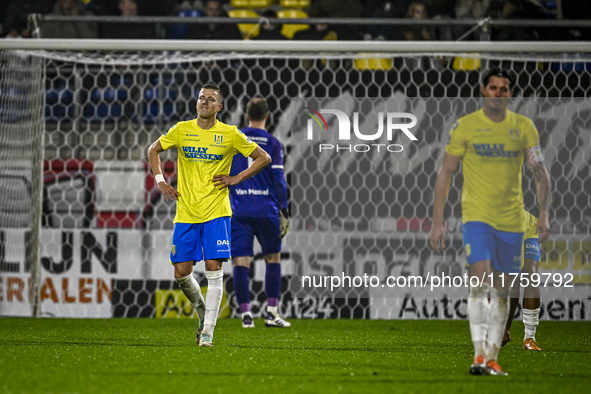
x=491, y=143
x=202, y=223
x=530, y=260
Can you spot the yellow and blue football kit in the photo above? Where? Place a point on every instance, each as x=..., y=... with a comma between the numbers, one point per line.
x=203, y=210
x=531, y=243
x=492, y=156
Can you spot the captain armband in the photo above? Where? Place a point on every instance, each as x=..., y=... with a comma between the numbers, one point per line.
x=534, y=154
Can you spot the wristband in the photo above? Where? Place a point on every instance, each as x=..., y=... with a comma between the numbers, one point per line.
x=159, y=178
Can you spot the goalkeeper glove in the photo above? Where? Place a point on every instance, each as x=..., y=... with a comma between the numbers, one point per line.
x=283, y=222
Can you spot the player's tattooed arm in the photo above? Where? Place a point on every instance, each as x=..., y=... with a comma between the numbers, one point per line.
x=535, y=161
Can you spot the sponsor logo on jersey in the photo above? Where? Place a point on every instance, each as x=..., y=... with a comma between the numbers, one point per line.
x=494, y=150
x=217, y=138
x=192, y=152
x=483, y=130
x=192, y=135
x=223, y=242
x=531, y=246
x=514, y=134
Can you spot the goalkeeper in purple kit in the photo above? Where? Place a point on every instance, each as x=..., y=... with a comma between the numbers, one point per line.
x=259, y=208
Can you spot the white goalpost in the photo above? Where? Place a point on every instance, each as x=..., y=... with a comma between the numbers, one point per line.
x=84, y=232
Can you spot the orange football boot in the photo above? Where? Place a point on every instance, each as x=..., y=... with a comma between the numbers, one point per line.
x=531, y=344
x=493, y=368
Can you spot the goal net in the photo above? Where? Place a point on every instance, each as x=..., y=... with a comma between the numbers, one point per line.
x=79, y=203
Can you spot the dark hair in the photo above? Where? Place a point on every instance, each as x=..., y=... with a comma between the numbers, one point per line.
x=257, y=109
x=214, y=87
x=501, y=73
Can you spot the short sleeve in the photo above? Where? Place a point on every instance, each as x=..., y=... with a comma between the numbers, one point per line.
x=243, y=144
x=456, y=145
x=277, y=156
x=532, y=137
x=169, y=139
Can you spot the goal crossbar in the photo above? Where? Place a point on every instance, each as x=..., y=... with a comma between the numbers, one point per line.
x=298, y=46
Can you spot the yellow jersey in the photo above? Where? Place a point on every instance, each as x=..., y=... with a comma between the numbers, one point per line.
x=492, y=160
x=203, y=154
x=530, y=226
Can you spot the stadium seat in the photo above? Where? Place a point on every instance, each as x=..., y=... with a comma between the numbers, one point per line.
x=178, y=31
x=106, y=104
x=297, y=4
x=374, y=63
x=250, y=4
x=248, y=30
x=290, y=30
x=59, y=102
x=261, y=3
x=466, y=63
x=240, y=4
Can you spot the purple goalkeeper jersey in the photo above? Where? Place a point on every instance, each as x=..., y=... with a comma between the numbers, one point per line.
x=264, y=194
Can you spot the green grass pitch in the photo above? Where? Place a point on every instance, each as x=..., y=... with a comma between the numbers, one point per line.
x=314, y=356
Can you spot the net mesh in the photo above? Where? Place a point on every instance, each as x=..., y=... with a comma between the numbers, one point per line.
x=106, y=231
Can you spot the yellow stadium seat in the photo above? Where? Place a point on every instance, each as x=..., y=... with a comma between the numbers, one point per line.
x=248, y=30
x=249, y=4
x=466, y=63
x=240, y=3
x=374, y=63
x=289, y=30
x=299, y=4
x=261, y=3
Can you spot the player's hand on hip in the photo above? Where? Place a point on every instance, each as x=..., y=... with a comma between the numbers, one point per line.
x=437, y=238
x=169, y=192
x=224, y=181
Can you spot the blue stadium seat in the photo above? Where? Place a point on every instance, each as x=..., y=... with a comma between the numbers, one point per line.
x=154, y=98
x=106, y=104
x=59, y=102
x=178, y=31
x=13, y=105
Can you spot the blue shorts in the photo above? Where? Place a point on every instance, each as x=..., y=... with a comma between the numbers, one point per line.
x=245, y=229
x=201, y=241
x=502, y=248
x=532, y=249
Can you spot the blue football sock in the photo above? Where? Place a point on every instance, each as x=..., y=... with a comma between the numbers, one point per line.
x=241, y=286
x=273, y=283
